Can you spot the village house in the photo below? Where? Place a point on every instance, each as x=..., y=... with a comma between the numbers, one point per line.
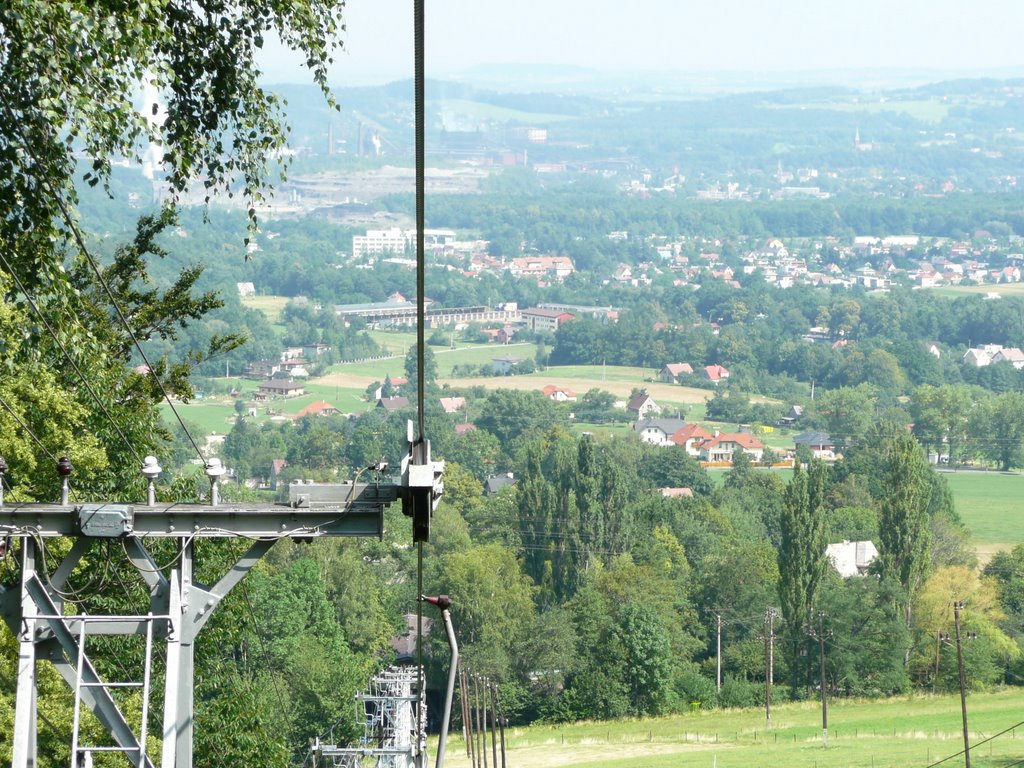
x=672, y=371
x=502, y=366
x=319, y=408
x=279, y=388
x=643, y=406
x=1012, y=355
x=658, y=431
x=721, y=447
x=559, y=394
x=452, y=404
x=555, y=267
x=715, y=374
x=392, y=404
x=493, y=485
x=277, y=466
x=691, y=437
x=851, y=558
x=819, y=443
x=676, y=493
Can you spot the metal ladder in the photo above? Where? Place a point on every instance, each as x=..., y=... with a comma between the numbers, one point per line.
x=81, y=756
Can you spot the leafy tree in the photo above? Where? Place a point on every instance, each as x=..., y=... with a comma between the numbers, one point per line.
x=903, y=519
x=802, y=561
x=496, y=611
x=942, y=415
x=863, y=612
x=510, y=414
x=1001, y=423
x=674, y=468
x=218, y=124
x=846, y=413
x=429, y=368
x=931, y=659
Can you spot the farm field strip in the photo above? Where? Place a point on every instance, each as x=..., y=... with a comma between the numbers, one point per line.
x=904, y=731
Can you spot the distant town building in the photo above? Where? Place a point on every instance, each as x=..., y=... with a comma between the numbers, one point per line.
x=545, y=320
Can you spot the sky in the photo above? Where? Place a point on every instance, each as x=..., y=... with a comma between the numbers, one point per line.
x=691, y=36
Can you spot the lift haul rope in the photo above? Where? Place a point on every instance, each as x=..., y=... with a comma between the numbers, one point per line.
x=420, y=128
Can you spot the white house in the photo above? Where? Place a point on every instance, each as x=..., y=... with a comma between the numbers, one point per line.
x=851, y=558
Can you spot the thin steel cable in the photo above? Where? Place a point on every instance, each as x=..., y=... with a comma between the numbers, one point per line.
x=263, y=646
x=81, y=375
x=420, y=125
x=28, y=429
x=979, y=743
x=419, y=66
x=80, y=241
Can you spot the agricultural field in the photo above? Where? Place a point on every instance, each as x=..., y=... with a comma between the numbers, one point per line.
x=271, y=306
x=899, y=732
x=990, y=504
x=1003, y=289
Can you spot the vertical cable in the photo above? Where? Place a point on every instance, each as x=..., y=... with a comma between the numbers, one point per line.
x=420, y=97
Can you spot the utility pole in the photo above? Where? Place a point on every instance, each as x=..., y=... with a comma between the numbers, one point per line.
x=820, y=634
x=494, y=724
x=957, y=607
x=769, y=650
x=718, y=652
x=466, y=724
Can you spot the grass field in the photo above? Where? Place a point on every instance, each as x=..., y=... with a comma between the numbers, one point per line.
x=901, y=732
x=990, y=504
x=1006, y=289
x=271, y=306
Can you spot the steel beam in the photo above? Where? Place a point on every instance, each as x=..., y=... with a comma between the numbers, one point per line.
x=96, y=697
x=316, y=510
x=35, y=613
x=24, y=752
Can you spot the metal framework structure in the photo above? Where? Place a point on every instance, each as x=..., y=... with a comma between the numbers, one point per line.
x=179, y=606
x=392, y=715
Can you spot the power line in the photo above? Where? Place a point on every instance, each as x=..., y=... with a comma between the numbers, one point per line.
x=263, y=647
x=979, y=743
x=67, y=355
x=80, y=241
x=28, y=430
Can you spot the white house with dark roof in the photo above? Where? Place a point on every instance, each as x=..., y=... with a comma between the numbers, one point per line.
x=643, y=405
x=658, y=431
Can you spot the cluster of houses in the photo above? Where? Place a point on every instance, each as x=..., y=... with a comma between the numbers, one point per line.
x=825, y=262
x=675, y=373
x=719, y=448
x=785, y=266
x=987, y=354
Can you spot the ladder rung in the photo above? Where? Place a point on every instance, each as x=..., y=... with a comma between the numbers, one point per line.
x=108, y=749
x=111, y=685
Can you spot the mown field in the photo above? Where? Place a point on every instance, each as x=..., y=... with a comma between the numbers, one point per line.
x=900, y=732
x=991, y=505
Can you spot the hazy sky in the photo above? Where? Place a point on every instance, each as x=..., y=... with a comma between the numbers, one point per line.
x=684, y=35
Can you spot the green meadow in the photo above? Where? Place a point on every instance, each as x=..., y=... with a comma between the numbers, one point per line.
x=990, y=504
x=891, y=733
